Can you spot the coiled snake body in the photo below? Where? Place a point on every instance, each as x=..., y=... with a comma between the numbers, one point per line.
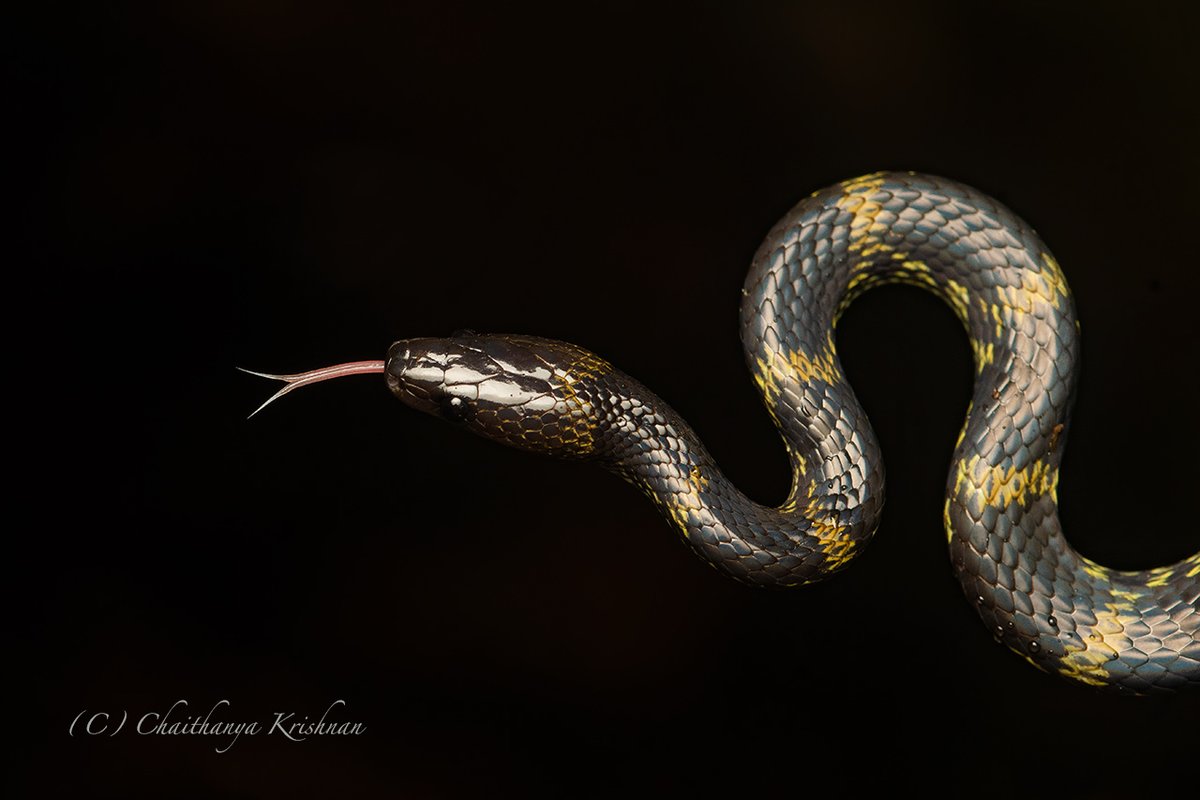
x=1137, y=631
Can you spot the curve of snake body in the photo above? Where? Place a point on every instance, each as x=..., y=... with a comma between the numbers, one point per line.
x=1064, y=613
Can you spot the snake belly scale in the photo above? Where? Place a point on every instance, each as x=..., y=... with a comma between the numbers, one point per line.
x=1132, y=631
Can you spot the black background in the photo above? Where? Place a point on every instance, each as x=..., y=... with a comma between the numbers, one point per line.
x=277, y=186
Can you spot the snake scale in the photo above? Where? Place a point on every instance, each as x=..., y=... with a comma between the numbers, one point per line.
x=1132, y=631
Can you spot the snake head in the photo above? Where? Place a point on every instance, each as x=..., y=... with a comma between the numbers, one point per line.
x=525, y=392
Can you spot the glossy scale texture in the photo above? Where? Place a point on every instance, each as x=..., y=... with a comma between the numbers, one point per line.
x=1065, y=614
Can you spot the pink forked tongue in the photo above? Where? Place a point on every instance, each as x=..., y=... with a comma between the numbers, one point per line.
x=316, y=376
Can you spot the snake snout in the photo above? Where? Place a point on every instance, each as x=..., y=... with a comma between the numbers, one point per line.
x=446, y=377
x=416, y=373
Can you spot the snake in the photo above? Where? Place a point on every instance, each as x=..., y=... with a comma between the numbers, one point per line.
x=1126, y=631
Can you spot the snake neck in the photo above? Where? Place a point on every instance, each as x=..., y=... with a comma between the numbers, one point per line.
x=831, y=510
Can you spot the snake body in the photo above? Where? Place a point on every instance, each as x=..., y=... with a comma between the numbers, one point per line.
x=1134, y=631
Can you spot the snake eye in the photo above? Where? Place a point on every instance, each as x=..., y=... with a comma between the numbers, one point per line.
x=454, y=408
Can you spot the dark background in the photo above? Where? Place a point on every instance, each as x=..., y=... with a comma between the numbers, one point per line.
x=279, y=186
